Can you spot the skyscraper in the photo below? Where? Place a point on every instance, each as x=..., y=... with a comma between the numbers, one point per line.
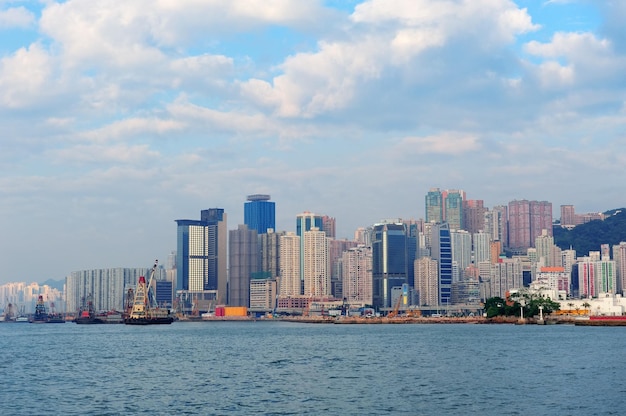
x=259, y=213
x=441, y=250
x=426, y=284
x=316, y=263
x=242, y=253
x=201, y=253
x=453, y=211
x=474, y=215
x=389, y=261
x=357, y=275
x=306, y=221
x=434, y=205
x=290, y=281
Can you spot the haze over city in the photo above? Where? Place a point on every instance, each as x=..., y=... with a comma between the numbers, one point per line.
x=120, y=117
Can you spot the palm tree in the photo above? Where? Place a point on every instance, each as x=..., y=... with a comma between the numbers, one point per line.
x=571, y=306
x=587, y=306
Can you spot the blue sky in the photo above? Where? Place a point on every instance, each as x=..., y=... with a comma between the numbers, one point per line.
x=120, y=117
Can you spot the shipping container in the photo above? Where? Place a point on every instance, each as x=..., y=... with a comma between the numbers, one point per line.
x=235, y=311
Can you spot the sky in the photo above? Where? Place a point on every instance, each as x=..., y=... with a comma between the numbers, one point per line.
x=118, y=118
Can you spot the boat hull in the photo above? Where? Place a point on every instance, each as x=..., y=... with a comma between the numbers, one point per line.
x=149, y=321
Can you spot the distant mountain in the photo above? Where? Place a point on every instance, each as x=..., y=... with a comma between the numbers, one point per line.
x=56, y=284
x=588, y=237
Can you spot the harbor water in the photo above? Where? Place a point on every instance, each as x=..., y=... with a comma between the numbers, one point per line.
x=286, y=368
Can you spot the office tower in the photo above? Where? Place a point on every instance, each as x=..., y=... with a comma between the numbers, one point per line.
x=453, y=209
x=290, y=282
x=441, y=250
x=243, y=249
x=316, y=263
x=474, y=215
x=269, y=254
x=481, y=247
x=328, y=225
x=526, y=221
x=357, y=275
x=426, y=281
x=259, y=213
x=201, y=254
x=461, y=242
x=619, y=256
x=389, y=261
x=568, y=216
x=434, y=206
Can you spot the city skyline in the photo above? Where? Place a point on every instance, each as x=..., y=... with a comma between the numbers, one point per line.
x=118, y=119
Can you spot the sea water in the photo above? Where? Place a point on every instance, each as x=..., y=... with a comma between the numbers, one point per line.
x=284, y=368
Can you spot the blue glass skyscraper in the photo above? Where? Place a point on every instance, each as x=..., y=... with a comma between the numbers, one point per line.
x=389, y=261
x=259, y=213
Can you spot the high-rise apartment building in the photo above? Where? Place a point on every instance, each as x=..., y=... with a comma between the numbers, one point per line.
x=526, y=221
x=481, y=247
x=426, y=281
x=441, y=250
x=568, y=216
x=619, y=256
x=505, y=275
x=243, y=252
x=474, y=215
x=328, y=225
x=201, y=262
x=389, y=261
x=461, y=242
x=306, y=221
x=269, y=254
x=259, y=213
x=317, y=279
x=290, y=283
x=357, y=275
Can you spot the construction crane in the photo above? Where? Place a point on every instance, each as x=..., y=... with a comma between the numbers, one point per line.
x=396, y=308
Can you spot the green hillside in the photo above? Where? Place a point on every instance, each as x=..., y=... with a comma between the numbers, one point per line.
x=588, y=237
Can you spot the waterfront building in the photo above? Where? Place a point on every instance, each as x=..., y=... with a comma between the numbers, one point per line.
x=336, y=249
x=263, y=294
x=466, y=292
x=527, y=219
x=243, y=249
x=23, y=297
x=259, y=213
x=290, y=281
x=596, y=276
x=389, y=260
x=357, y=275
x=434, y=205
x=201, y=260
x=426, y=281
x=505, y=275
x=554, y=278
x=317, y=279
x=441, y=250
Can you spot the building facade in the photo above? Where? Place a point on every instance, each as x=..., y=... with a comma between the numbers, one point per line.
x=259, y=213
x=389, y=261
x=243, y=249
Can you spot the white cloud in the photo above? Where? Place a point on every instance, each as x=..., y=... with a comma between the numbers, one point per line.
x=16, y=17
x=446, y=143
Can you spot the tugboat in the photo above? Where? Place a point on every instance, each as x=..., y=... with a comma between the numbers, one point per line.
x=86, y=313
x=144, y=309
x=41, y=315
x=55, y=317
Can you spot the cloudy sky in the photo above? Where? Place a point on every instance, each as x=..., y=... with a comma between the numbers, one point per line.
x=118, y=118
